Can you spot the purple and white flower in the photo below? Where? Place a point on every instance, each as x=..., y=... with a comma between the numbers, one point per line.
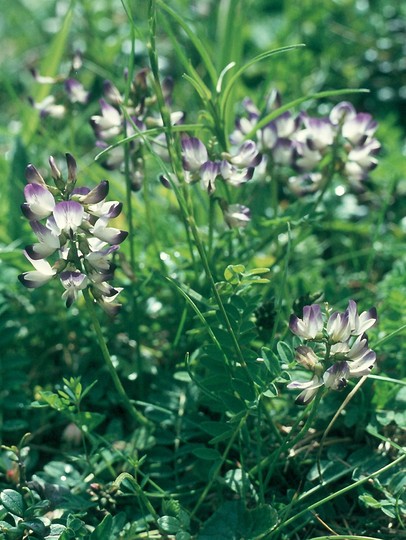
x=39, y=202
x=43, y=273
x=72, y=227
x=341, y=351
x=311, y=326
x=308, y=389
x=72, y=282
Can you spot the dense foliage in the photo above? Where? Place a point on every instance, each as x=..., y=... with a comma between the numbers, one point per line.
x=233, y=368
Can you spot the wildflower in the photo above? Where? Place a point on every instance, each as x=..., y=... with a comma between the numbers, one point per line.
x=247, y=155
x=42, y=274
x=338, y=327
x=73, y=282
x=208, y=174
x=360, y=323
x=311, y=326
x=49, y=240
x=39, y=202
x=236, y=215
x=109, y=123
x=128, y=116
x=304, y=143
x=303, y=184
x=342, y=348
x=309, y=389
x=48, y=107
x=194, y=154
x=76, y=91
x=306, y=357
x=234, y=175
x=72, y=226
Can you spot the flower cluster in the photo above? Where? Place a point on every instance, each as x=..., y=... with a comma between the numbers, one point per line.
x=126, y=117
x=71, y=225
x=339, y=347
x=234, y=168
x=73, y=91
x=300, y=144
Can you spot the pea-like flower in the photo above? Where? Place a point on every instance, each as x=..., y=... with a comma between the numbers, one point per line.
x=72, y=227
x=311, y=326
x=339, y=348
x=299, y=146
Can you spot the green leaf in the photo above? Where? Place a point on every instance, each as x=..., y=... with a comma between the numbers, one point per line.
x=13, y=502
x=233, y=272
x=244, y=389
x=194, y=38
x=233, y=403
x=49, y=66
x=15, y=186
x=285, y=352
x=214, y=428
x=36, y=525
x=223, y=524
x=88, y=421
x=169, y=524
x=368, y=500
x=182, y=535
x=15, y=425
x=103, y=529
x=222, y=437
x=271, y=361
x=256, y=271
x=209, y=454
x=227, y=90
x=53, y=400
x=259, y=521
x=55, y=531
x=238, y=481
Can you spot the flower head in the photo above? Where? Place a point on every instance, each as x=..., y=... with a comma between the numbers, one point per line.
x=72, y=227
x=339, y=350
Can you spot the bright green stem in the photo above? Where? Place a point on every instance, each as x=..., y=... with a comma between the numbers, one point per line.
x=125, y=400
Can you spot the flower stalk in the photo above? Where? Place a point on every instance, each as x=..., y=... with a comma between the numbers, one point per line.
x=138, y=417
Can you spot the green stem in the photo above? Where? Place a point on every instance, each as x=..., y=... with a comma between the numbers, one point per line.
x=139, y=492
x=138, y=417
x=219, y=465
x=183, y=197
x=209, y=275
x=289, y=443
x=335, y=495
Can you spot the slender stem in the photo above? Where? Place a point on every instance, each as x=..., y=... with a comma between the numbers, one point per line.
x=337, y=494
x=138, y=417
x=184, y=200
x=290, y=443
x=140, y=493
x=209, y=275
x=219, y=465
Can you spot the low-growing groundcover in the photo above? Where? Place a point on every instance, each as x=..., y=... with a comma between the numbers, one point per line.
x=202, y=271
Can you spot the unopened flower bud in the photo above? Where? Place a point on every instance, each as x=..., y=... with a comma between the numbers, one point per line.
x=70, y=160
x=33, y=176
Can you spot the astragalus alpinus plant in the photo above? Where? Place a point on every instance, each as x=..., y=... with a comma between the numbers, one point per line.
x=233, y=319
